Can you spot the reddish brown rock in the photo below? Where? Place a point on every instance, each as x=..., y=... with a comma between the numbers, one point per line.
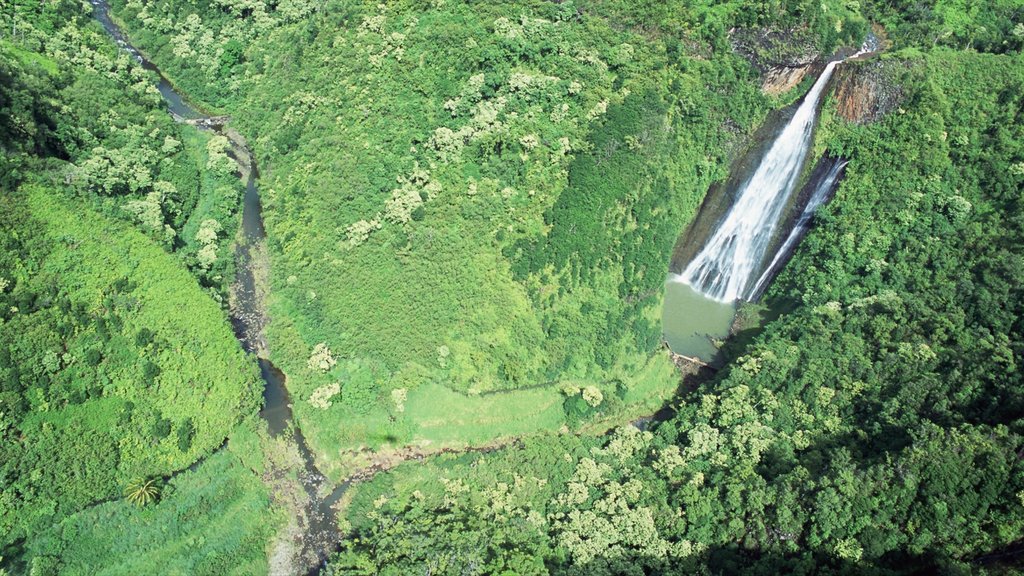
x=780, y=79
x=866, y=91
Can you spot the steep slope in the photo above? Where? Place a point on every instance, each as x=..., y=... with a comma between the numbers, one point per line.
x=115, y=364
x=476, y=198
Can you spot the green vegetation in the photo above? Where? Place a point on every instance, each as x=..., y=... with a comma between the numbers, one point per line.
x=142, y=492
x=481, y=198
x=874, y=426
x=105, y=380
x=214, y=520
x=470, y=210
x=73, y=95
x=991, y=26
x=117, y=367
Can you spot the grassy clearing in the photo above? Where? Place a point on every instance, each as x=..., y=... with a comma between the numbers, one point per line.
x=215, y=520
x=436, y=418
x=447, y=417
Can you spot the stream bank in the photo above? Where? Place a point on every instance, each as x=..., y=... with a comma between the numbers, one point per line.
x=313, y=532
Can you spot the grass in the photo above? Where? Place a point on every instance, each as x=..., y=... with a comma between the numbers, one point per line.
x=447, y=417
x=30, y=58
x=648, y=390
x=214, y=520
x=437, y=418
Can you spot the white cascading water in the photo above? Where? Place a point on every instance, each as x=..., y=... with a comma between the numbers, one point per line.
x=722, y=270
x=818, y=197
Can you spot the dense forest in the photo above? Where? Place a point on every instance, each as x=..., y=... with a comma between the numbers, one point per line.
x=470, y=211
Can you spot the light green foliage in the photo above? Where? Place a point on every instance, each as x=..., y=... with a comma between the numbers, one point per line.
x=359, y=231
x=321, y=358
x=142, y=492
x=84, y=100
x=217, y=159
x=207, y=237
x=114, y=365
x=428, y=161
x=603, y=515
x=399, y=396
x=321, y=397
x=149, y=212
x=214, y=520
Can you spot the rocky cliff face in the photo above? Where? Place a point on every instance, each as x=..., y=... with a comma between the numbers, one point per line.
x=784, y=57
x=780, y=79
x=866, y=91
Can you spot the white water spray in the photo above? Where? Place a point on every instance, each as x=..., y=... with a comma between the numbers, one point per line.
x=724, y=267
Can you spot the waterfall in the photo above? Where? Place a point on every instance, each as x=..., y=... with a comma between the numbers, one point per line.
x=724, y=267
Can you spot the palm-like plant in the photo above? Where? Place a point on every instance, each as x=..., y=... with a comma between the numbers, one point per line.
x=141, y=492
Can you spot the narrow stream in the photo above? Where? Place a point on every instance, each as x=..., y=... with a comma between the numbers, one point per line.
x=248, y=309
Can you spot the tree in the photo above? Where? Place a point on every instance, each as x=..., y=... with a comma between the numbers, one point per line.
x=141, y=492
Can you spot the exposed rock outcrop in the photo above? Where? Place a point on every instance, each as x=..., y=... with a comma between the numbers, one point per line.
x=780, y=79
x=784, y=57
x=767, y=48
x=866, y=91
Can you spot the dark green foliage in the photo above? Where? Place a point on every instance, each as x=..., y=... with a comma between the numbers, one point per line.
x=186, y=432
x=576, y=410
x=161, y=428
x=27, y=116
x=230, y=58
x=93, y=357
x=150, y=370
x=990, y=26
x=598, y=182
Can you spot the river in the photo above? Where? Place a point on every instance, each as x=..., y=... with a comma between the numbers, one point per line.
x=248, y=310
